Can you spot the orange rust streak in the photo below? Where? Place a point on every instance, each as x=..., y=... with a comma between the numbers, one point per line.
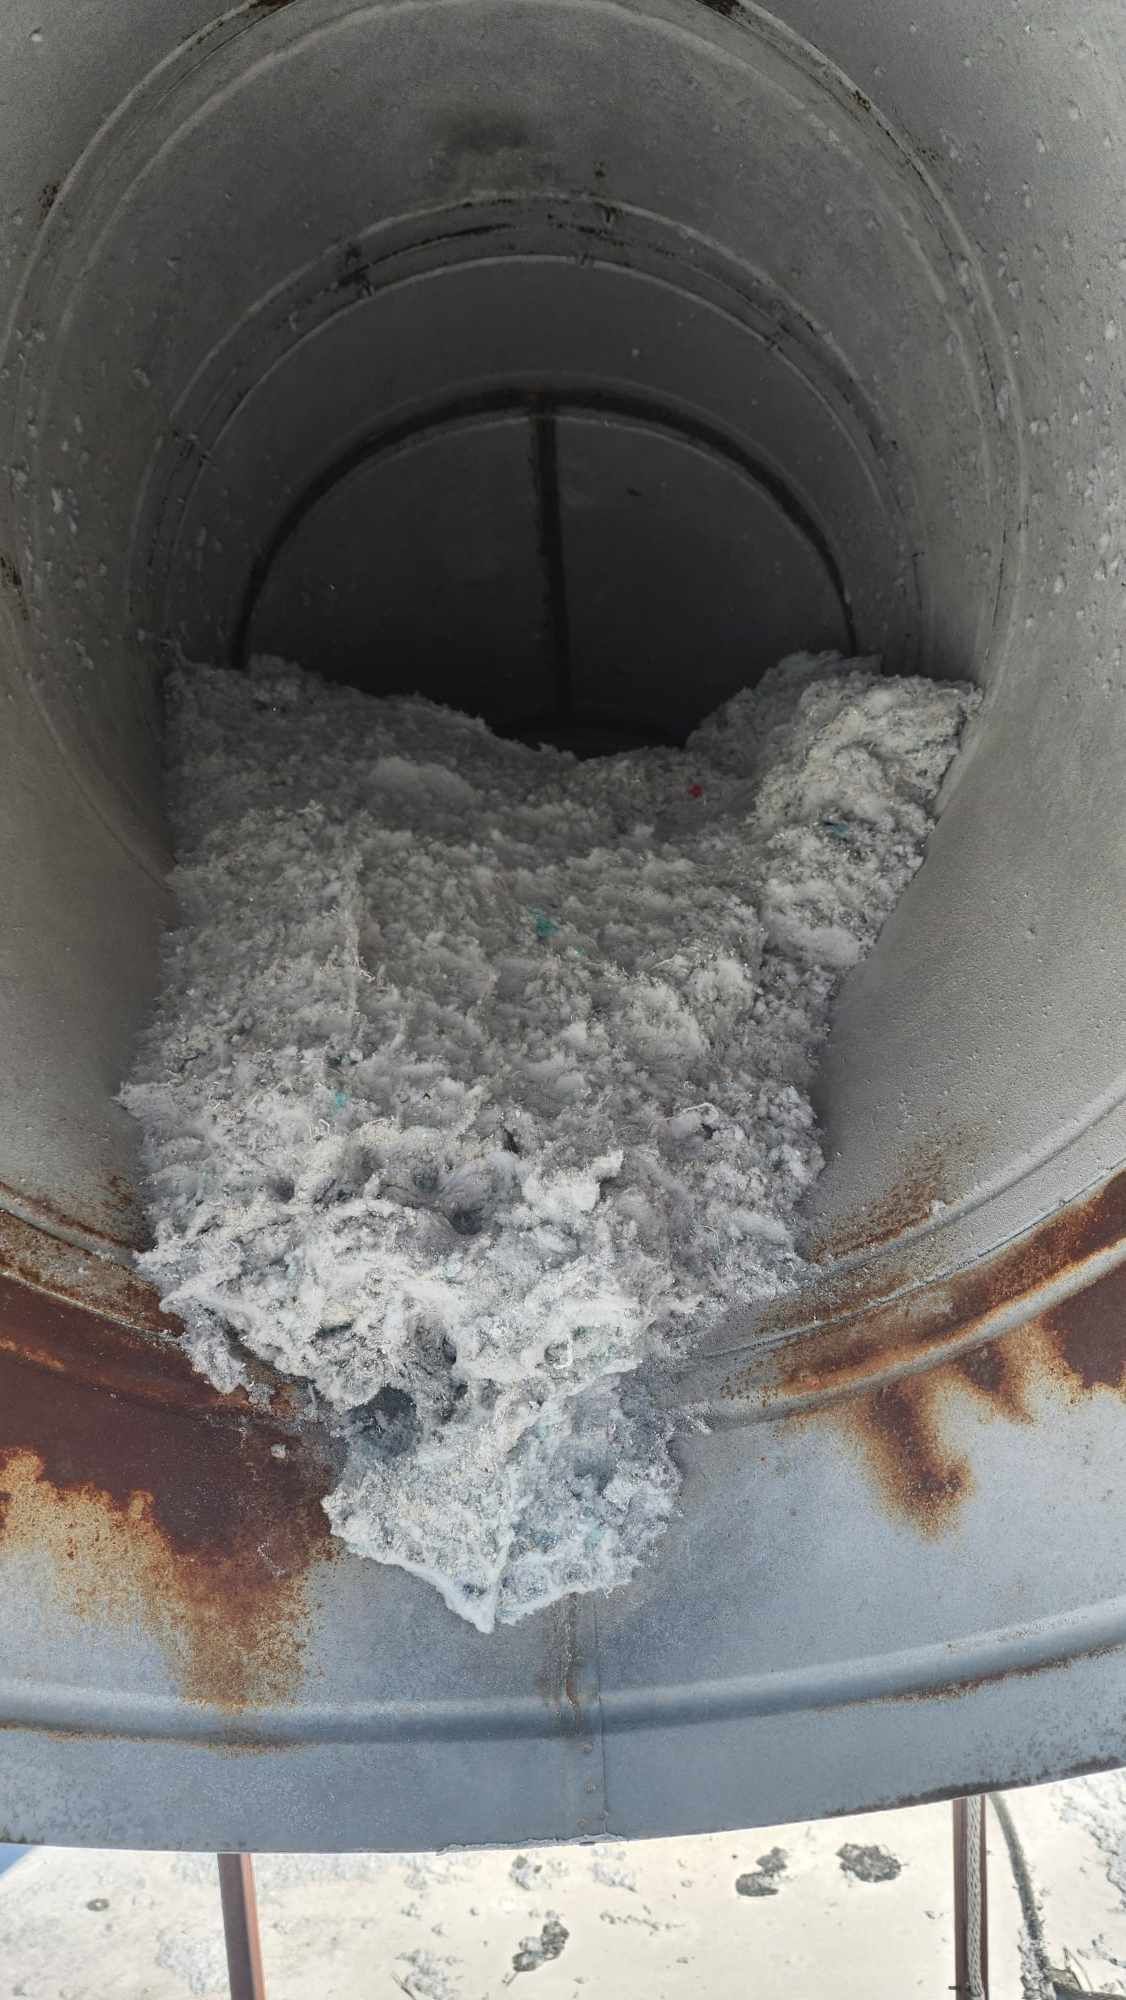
x=923, y=1182
x=997, y=1372
x=158, y=1498
x=1079, y=1347
x=94, y=1282
x=1089, y=1334
x=118, y=1196
x=882, y=1335
x=898, y=1430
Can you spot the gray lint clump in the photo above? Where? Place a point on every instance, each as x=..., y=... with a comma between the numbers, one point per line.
x=479, y=1083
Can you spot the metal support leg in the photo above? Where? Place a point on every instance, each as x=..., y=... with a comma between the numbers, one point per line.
x=240, y=1926
x=971, y=1927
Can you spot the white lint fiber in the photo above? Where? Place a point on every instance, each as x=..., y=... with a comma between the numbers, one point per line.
x=479, y=1083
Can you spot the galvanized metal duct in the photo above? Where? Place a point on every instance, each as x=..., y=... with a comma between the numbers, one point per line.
x=572, y=360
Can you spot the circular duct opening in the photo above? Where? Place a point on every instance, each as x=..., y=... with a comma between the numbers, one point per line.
x=590, y=567
x=570, y=363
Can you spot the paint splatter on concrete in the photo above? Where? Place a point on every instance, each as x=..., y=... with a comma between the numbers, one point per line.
x=535, y=1952
x=762, y=1880
x=427, y=1977
x=646, y=1922
x=868, y=1864
x=612, y=1873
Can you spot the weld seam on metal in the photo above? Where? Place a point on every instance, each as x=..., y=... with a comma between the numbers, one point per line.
x=925, y=1673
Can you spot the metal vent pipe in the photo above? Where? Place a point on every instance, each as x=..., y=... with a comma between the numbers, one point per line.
x=571, y=360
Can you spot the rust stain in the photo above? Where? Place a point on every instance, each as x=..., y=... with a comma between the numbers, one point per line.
x=1088, y=1333
x=121, y=1196
x=882, y=1335
x=558, y=1681
x=116, y=1195
x=157, y=1499
x=888, y=1378
x=923, y=1182
x=97, y=1282
x=996, y=1372
x=1011, y=1670
x=1078, y=1348
x=899, y=1430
